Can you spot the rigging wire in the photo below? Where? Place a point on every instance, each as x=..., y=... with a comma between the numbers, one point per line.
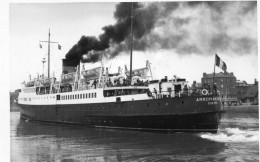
x=149, y=50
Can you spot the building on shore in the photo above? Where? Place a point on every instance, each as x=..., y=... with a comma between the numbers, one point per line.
x=241, y=90
x=226, y=86
x=251, y=95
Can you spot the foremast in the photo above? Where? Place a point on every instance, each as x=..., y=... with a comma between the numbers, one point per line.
x=49, y=42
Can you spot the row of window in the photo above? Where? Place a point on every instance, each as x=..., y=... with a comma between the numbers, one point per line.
x=78, y=96
x=28, y=90
x=210, y=80
x=65, y=97
x=37, y=98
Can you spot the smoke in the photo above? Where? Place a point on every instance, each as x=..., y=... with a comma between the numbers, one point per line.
x=186, y=27
x=205, y=28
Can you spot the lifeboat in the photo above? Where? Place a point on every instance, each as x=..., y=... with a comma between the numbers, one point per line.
x=68, y=77
x=29, y=84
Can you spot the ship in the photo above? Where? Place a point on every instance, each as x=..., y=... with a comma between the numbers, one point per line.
x=97, y=98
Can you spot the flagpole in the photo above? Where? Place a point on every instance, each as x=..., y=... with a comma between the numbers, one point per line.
x=214, y=72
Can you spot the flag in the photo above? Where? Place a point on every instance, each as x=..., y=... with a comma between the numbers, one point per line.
x=221, y=64
x=40, y=45
x=59, y=46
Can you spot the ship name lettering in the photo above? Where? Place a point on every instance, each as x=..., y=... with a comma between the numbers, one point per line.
x=207, y=99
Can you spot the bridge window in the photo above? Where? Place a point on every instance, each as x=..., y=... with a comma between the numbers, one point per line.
x=80, y=96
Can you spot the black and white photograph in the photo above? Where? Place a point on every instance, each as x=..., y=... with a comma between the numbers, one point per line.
x=132, y=81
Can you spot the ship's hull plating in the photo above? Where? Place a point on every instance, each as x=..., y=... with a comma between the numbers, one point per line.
x=168, y=114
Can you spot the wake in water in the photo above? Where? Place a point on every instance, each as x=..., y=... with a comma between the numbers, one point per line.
x=233, y=135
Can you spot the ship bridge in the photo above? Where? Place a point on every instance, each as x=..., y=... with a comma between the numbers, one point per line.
x=128, y=90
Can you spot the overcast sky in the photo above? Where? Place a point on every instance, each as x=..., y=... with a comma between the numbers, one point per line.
x=178, y=39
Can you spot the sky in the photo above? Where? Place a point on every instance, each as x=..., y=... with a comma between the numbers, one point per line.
x=177, y=38
x=181, y=41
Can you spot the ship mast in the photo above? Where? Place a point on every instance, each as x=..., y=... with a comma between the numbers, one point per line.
x=49, y=42
x=131, y=43
x=49, y=54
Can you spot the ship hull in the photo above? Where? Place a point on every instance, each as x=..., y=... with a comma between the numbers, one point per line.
x=193, y=114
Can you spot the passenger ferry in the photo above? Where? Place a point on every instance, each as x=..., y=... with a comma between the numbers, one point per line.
x=159, y=105
x=96, y=98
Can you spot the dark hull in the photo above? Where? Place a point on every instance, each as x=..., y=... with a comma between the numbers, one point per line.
x=168, y=114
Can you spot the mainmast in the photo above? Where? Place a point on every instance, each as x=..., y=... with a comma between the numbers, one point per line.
x=131, y=43
x=49, y=54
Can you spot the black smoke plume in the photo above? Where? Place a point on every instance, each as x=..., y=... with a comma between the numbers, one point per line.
x=112, y=34
x=186, y=27
x=145, y=17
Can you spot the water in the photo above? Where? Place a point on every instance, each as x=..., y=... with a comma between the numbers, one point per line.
x=236, y=140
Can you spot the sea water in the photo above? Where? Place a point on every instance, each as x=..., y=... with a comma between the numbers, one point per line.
x=236, y=140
